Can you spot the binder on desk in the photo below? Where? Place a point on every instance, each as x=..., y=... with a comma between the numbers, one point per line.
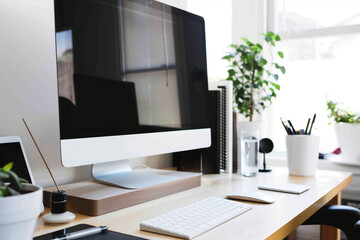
x=225, y=123
x=107, y=235
x=211, y=157
x=219, y=156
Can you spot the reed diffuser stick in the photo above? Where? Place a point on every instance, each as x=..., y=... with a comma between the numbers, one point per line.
x=41, y=155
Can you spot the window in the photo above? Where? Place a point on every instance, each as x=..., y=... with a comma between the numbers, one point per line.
x=65, y=64
x=150, y=63
x=321, y=42
x=218, y=23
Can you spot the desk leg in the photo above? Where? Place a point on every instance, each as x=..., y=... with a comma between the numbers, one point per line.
x=327, y=232
x=292, y=236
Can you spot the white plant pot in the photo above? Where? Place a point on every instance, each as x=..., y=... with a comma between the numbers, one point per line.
x=19, y=214
x=348, y=138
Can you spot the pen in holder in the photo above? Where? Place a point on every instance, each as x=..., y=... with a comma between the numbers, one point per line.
x=58, y=212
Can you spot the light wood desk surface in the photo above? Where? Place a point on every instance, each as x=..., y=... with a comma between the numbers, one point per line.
x=264, y=221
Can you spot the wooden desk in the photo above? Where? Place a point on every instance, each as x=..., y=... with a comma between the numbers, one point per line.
x=264, y=221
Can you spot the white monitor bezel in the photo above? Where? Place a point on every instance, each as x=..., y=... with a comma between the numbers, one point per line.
x=85, y=151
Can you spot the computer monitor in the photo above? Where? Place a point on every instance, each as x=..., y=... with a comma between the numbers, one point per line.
x=132, y=82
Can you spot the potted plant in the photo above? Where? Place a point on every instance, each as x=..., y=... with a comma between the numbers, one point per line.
x=255, y=79
x=20, y=205
x=347, y=131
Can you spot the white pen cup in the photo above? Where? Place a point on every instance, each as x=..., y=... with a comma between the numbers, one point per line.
x=302, y=154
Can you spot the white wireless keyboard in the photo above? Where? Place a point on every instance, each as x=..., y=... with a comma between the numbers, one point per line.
x=196, y=218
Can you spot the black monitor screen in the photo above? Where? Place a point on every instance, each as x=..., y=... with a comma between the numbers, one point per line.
x=128, y=67
x=12, y=152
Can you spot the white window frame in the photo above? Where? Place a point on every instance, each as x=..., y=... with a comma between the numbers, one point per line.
x=277, y=158
x=272, y=20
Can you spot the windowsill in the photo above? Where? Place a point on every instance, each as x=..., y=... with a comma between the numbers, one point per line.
x=279, y=159
x=351, y=192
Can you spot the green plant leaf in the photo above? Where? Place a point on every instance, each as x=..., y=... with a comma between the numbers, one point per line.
x=282, y=69
x=258, y=46
x=247, y=66
x=3, y=174
x=339, y=114
x=3, y=191
x=281, y=54
x=231, y=72
x=276, y=77
x=277, y=38
x=277, y=86
x=22, y=180
x=247, y=42
x=8, y=166
x=14, y=181
x=263, y=61
x=12, y=192
x=267, y=38
x=260, y=69
x=228, y=57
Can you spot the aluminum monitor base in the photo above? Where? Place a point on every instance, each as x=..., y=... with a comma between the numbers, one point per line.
x=120, y=174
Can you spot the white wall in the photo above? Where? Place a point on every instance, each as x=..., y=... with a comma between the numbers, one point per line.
x=28, y=87
x=249, y=19
x=182, y=4
x=218, y=22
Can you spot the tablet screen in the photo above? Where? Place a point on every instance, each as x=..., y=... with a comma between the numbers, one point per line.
x=12, y=152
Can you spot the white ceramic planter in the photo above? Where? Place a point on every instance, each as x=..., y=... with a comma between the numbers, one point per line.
x=348, y=138
x=19, y=214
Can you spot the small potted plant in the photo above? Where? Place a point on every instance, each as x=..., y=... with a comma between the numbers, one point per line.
x=347, y=131
x=255, y=79
x=20, y=205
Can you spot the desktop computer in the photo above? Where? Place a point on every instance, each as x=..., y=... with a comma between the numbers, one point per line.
x=132, y=82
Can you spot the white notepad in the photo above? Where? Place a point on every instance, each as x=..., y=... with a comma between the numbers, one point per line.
x=284, y=187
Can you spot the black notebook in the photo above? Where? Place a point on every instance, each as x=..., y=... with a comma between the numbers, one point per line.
x=211, y=156
x=107, y=235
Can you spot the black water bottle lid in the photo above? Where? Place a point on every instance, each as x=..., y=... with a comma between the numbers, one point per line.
x=58, y=202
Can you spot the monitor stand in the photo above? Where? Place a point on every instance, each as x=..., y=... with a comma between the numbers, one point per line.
x=120, y=174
